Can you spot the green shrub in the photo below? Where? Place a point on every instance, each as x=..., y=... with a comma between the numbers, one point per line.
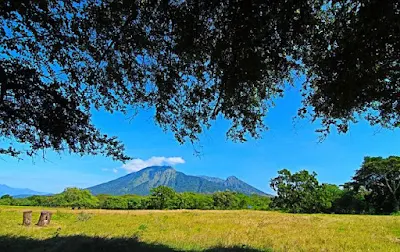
x=82, y=216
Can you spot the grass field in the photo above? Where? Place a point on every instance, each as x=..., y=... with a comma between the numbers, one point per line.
x=182, y=230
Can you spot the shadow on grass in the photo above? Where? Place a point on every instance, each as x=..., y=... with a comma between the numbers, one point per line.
x=87, y=244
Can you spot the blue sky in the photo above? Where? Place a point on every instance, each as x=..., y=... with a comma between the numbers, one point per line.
x=284, y=145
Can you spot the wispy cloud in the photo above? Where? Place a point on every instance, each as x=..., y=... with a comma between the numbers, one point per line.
x=138, y=164
x=115, y=170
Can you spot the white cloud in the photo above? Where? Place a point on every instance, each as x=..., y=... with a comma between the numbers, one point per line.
x=115, y=170
x=138, y=164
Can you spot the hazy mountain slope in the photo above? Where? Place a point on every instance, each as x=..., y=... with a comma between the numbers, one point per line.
x=4, y=189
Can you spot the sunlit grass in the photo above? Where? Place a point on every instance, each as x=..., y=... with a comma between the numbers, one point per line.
x=199, y=230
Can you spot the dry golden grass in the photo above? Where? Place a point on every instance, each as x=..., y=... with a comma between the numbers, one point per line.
x=201, y=230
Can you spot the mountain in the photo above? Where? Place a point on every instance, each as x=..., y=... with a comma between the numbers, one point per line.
x=18, y=192
x=142, y=181
x=212, y=179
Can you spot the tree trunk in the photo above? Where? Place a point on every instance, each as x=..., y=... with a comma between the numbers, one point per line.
x=396, y=205
x=27, y=218
x=44, y=219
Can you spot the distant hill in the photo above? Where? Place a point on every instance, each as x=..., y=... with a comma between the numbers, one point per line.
x=18, y=192
x=142, y=181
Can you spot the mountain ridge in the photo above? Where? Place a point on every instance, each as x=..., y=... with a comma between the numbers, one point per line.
x=142, y=181
x=18, y=192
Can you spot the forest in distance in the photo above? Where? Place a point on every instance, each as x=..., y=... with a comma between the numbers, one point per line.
x=374, y=189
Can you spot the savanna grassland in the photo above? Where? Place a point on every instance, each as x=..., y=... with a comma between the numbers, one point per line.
x=196, y=230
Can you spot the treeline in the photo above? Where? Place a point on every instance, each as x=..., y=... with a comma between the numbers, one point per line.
x=374, y=189
x=161, y=197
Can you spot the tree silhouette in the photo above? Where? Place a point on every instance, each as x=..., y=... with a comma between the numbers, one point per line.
x=190, y=61
x=381, y=177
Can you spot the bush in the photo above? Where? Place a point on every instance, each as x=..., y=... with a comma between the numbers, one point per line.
x=77, y=198
x=189, y=200
x=257, y=202
x=225, y=200
x=161, y=198
x=135, y=203
x=114, y=202
x=350, y=202
x=82, y=216
x=6, y=196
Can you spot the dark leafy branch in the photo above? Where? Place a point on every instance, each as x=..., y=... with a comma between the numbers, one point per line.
x=191, y=61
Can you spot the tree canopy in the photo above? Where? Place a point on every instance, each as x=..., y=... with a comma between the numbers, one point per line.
x=191, y=61
x=381, y=177
x=375, y=188
x=301, y=192
x=75, y=197
x=161, y=197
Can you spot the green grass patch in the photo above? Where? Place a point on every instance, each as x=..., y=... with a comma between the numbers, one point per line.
x=183, y=230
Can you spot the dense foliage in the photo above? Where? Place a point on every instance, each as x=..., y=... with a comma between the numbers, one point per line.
x=161, y=197
x=76, y=198
x=381, y=178
x=190, y=61
x=375, y=188
x=301, y=192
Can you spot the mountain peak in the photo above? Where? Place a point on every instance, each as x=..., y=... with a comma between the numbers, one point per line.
x=154, y=168
x=159, y=167
x=141, y=182
x=232, y=178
